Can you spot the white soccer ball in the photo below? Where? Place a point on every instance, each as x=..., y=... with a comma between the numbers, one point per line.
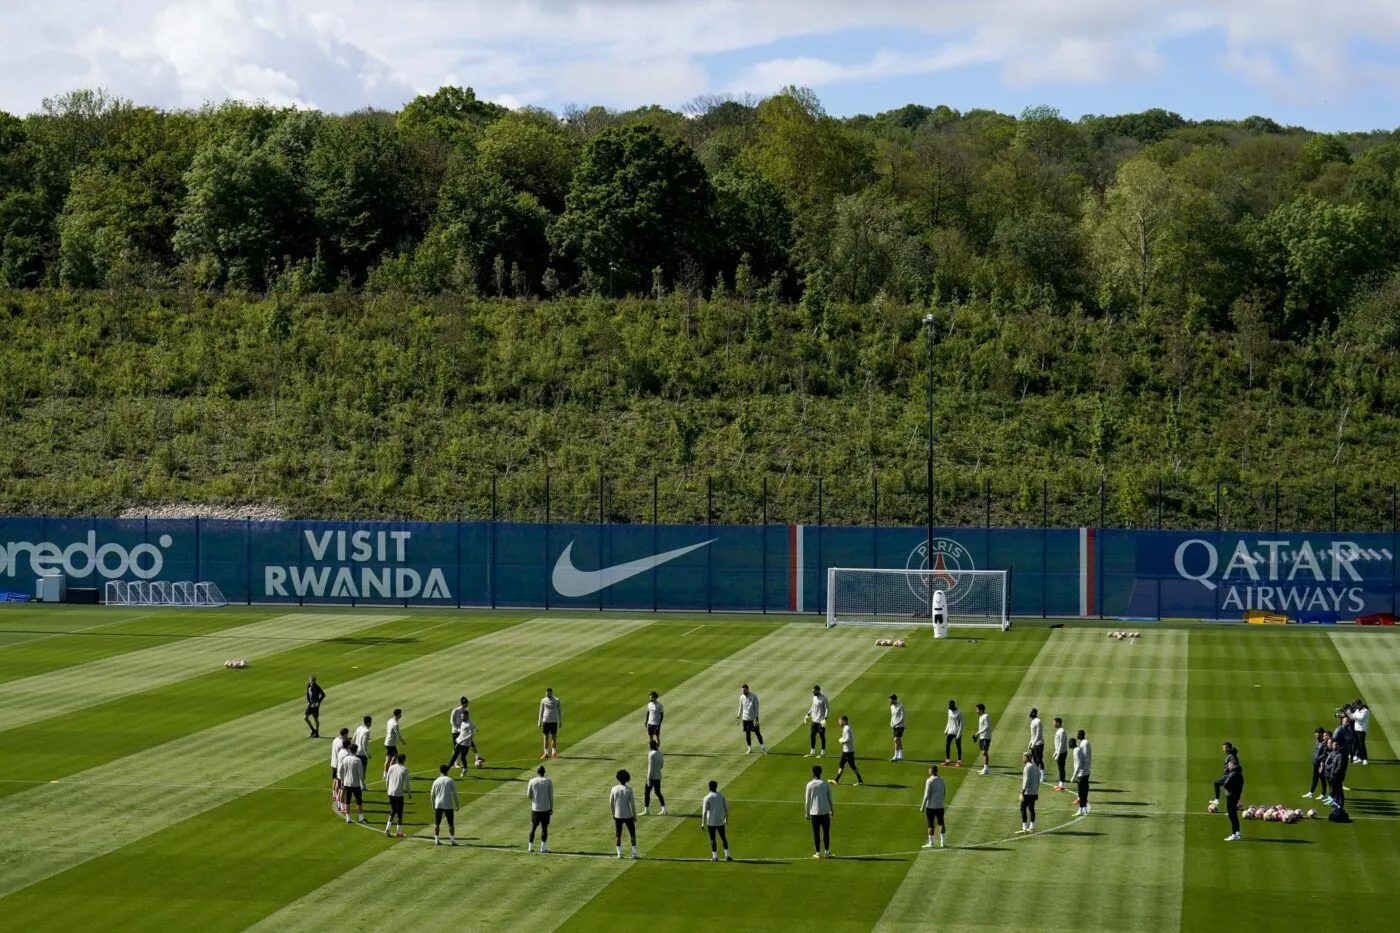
x=1212, y=807
x=480, y=761
x=1312, y=814
x=899, y=643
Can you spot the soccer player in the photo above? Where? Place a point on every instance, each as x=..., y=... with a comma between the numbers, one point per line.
x=984, y=737
x=1036, y=746
x=819, y=807
x=459, y=712
x=623, y=802
x=314, y=696
x=398, y=783
x=655, y=713
x=540, y=790
x=1334, y=768
x=550, y=719
x=714, y=816
x=935, y=797
x=816, y=715
x=748, y=718
x=445, y=804
x=1061, y=752
x=1030, y=790
x=361, y=741
x=654, y=765
x=848, y=752
x=393, y=738
x=1318, y=756
x=1080, y=775
x=338, y=751
x=897, y=727
x=462, y=750
x=352, y=782
x=953, y=733
x=1085, y=751
x=1233, y=782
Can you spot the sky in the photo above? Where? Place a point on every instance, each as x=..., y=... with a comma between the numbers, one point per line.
x=1325, y=64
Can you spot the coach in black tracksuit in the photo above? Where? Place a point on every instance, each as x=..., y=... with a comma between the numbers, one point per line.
x=1231, y=754
x=1233, y=783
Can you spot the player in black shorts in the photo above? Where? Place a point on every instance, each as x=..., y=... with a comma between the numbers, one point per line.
x=314, y=696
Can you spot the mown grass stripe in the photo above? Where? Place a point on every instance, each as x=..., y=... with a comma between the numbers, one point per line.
x=45, y=839
x=73, y=688
x=702, y=742
x=1372, y=658
x=56, y=639
x=1136, y=723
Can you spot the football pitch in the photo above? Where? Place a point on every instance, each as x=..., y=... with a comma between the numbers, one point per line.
x=146, y=787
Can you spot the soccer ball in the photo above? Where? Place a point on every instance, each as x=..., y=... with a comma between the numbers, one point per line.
x=1249, y=813
x=899, y=643
x=1312, y=814
x=1212, y=807
x=480, y=761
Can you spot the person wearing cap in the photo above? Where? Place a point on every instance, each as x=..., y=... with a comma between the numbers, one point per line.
x=897, y=727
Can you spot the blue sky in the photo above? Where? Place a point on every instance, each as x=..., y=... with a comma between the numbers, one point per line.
x=1328, y=66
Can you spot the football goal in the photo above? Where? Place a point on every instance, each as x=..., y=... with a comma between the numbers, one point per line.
x=863, y=596
x=160, y=593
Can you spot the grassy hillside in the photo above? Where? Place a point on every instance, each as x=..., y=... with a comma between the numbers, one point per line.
x=361, y=405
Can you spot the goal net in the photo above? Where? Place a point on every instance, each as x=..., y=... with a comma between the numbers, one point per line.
x=160, y=593
x=974, y=598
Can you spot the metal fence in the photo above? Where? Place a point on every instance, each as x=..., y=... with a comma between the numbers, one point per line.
x=966, y=501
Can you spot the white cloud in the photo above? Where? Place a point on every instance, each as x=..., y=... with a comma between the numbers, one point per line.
x=346, y=54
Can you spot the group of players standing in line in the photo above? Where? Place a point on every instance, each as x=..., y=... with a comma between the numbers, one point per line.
x=350, y=762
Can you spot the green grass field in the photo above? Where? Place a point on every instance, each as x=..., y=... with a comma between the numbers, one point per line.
x=144, y=786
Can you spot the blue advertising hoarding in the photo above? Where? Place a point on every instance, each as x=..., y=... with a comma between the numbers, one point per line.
x=774, y=568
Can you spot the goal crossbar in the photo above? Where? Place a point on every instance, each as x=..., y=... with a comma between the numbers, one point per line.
x=869, y=596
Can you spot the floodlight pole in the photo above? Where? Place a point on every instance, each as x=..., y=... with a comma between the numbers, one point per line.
x=928, y=543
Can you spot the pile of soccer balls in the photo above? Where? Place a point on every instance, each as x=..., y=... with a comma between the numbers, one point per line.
x=1278, y=813
x=1125, y=635
x=889, y=643
x=236, y=664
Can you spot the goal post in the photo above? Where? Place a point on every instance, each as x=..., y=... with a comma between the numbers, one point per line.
x=866, y=596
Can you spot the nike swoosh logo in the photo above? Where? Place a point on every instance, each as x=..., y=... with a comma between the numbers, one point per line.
x=571, y=582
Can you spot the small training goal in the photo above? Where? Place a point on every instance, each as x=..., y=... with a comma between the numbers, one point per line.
x=970, y=598
x=162, y=593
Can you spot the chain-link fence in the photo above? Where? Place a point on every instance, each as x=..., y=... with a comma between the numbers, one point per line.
x=900, y=498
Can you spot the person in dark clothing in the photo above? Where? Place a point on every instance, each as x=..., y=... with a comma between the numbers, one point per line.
x=314, y=696
x=1334, y=768
x=1233, y=783
x=1319, y=753
x=1231, y=754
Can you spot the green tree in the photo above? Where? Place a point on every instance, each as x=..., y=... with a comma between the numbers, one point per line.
x=479, y=219
x=637, y=201
x=807, y=154
x=1314, y=255
x=751, y=219
x=1133, y=229
x=452, y=114
x=529, y=152
x=358, y=180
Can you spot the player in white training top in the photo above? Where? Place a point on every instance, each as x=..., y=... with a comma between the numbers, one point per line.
x=654, y=765
x=1036, y=745
x=748, y=718
x=397, y=783
x=550, y=719
x=714, y=816
x=848, y=752
x=352, y=782
x=540, y=790
x=623, y=803
x=655, y=713
x=816, y=715
x=446, y=802
x=393, y=738
x=361, y=740
x=953, y=733
x=337, y=752
x=984, y=737
x=897, y=727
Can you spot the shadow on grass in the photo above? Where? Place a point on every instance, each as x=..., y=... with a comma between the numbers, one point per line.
x=867, y=858
x=1124, y=816
x=1283, y=842
x=1074, y=832
x=1127, y=803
